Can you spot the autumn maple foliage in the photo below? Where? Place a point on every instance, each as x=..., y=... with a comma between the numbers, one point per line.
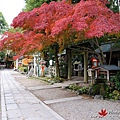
x=94, y=18
x=42, y=19
x=61, y=22
x=37, y=26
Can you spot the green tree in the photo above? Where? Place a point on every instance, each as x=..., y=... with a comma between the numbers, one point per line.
x=114, y=5
x=3, y=24
x=2, y=56
x=31, y=4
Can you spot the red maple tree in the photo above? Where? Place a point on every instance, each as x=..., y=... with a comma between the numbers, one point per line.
x=62, y=23
x=37, y=26
x=92, y=17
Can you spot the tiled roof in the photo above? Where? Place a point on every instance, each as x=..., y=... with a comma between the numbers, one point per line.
x=107, y=47
x=109, y=67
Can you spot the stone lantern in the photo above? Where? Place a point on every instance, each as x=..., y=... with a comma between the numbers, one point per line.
x=42, y=67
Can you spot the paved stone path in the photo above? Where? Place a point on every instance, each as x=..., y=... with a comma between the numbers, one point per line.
x=19, y=104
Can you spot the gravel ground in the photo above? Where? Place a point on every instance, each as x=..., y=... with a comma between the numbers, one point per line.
x=53, y=93
x=80, y=109
x=87, y=109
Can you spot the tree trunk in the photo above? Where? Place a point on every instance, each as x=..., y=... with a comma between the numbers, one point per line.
x=102, y=58
x=68, y=51
x=57, y=64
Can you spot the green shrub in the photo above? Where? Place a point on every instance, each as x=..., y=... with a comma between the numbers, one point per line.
x=115, y=95
x=73, y=87
x=94, y=90
x=78, y=89
x=99, y=89
x=116, y=81
x=83, y=90
x=23, y=69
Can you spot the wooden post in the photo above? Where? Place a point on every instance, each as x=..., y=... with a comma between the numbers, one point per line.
x=108, y=75
x=34, y=65
x=85, y=67
x=69, y=58
x=17, y=64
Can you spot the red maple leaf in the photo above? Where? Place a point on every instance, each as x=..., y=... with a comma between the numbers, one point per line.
x=103, y=113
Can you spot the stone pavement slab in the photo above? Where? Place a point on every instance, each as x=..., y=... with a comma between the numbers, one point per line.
x=62, y=100
x=55, y=85
x=19, y=104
